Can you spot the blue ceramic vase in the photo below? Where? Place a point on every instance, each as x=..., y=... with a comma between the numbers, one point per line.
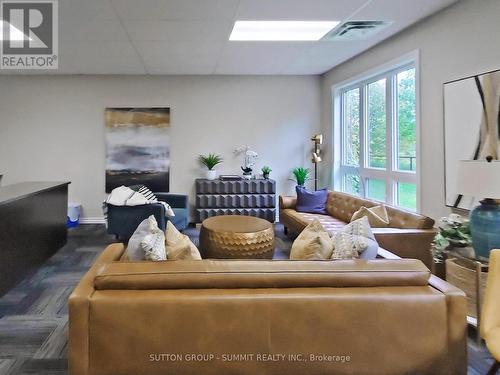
x=485, y=228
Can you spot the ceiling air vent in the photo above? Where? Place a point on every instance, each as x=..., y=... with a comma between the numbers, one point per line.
x=356, y=30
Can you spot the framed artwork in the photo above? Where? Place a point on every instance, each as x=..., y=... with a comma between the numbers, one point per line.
x=471, y=128
x=138, y=148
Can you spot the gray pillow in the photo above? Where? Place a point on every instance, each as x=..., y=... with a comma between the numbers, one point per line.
x=371, y=251
x=134, y=248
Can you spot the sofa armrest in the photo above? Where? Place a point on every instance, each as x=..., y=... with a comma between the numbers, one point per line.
x=456, y=304
x=407, y=243
x=79, y=307
x=456, y=307
x=287, y=201
x=174, y=200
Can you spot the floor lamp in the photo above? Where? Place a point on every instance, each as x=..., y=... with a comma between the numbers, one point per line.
x=316, y=158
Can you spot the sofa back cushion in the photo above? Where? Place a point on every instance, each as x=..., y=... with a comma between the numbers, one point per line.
x=235, y=274
x=342, y=206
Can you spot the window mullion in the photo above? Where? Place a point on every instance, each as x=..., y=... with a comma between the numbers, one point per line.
x=389, y=138
x=362, y=137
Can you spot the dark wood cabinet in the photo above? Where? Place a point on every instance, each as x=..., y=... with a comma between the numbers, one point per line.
x=256, y=197
x=32, y=227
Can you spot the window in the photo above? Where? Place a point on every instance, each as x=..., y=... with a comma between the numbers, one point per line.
x=378, y=138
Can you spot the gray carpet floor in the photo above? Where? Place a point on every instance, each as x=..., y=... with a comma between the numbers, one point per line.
x=33, y=315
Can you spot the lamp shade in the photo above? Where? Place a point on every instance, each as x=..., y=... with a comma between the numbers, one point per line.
x=479, y=179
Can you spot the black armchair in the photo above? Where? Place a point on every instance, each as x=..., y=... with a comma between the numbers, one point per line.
x=123, y=220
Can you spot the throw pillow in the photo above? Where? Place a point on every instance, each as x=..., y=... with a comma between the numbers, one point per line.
x=311, y=201
x=178, y=245
x=153, y=246
x=377, y=216
x=134, y=248
x=149, y=197
x=312, y=243
x=353, y=240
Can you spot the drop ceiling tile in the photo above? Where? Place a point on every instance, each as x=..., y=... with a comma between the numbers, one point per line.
x=191, y=36
x=402, y=11
x=86, y=9
x=322, y=56
x=206, y=31
x=159, y=56
x=177, y=68
x=91, y=30
x=298, y=9
x=175, y=9
x=262, y=58
x=103, y=58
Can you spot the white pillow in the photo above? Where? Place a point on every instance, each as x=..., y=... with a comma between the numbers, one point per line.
x=354, y=239
x=153, y=246
x=119, y=196
x=137, y=199
x=134, y=248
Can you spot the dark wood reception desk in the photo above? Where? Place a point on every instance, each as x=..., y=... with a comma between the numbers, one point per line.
x=32, y=227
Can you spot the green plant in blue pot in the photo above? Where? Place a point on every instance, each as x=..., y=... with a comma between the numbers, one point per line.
x=481, y=179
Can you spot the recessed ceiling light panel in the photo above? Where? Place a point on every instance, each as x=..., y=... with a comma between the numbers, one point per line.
x=281, y=30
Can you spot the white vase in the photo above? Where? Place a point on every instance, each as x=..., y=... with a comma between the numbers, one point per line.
x=211, y=174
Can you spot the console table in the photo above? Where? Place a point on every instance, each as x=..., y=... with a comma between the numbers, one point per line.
x=32, y=227
x=255, y=197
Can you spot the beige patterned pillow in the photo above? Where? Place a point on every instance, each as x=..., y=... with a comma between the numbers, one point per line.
x=377, y=216
x=353, y=239
x=153, y=246
x=179, y=246
x=134, y=248
x=313, y=243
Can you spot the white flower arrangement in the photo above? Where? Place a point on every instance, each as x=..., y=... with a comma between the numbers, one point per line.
x=249, y=157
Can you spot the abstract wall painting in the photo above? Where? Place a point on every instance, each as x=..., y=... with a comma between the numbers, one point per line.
x=138, y=148
x=471, y=127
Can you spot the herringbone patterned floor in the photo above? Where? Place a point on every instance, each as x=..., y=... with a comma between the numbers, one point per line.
x=33, y=315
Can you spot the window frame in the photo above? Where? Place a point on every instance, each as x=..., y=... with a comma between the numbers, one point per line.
x=390, y=175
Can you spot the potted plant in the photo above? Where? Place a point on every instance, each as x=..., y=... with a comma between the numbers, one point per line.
x=454, y=234
x=265, y=171
x=210, y=161
x=301, y=175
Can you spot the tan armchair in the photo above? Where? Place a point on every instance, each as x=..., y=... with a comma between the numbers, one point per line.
x=490, y=324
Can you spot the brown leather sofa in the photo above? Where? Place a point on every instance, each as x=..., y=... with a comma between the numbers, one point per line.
x=264, y=317
x=409, y=234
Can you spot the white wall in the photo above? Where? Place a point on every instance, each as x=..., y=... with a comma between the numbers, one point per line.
x=52, y=127
x=460, y=41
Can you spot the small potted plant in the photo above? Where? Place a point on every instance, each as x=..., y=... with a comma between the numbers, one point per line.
x=265, y=172
x=454, y=234
x=210, y=161
x=301, y=175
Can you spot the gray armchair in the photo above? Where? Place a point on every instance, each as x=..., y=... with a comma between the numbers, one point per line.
x=123, y=220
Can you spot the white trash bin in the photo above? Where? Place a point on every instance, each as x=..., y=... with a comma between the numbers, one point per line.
x=74, y=214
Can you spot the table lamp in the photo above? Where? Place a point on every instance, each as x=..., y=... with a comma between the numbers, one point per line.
x=481, y=179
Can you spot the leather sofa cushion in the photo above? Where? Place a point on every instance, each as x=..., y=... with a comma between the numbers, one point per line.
x=233, y=274
x=342, y=206
x=331, y=224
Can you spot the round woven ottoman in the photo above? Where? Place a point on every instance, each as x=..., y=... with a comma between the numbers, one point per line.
x=237, y=237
